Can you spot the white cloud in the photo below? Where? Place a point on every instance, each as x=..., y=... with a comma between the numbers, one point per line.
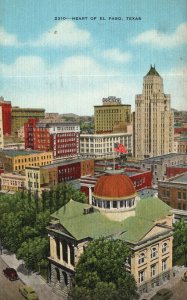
x=78, y=83
x=75, y=85
x=64, y=34
x=24, y=66
x=84, y=66
x=161, y=40
x=117, y=56
x=175, y=82
x=7, y=39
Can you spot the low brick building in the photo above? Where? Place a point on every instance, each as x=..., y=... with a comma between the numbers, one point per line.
x=44, y=177
x=158, y=164
x=18, y=160
x=12, y=182
x=174, y=191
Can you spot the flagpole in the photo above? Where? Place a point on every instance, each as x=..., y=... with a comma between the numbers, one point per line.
x=113, y=159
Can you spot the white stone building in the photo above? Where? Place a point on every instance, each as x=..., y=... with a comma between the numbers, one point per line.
x=102, y=145
x=154, y=134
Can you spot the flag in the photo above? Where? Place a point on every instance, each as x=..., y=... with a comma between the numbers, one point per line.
x=120, y=148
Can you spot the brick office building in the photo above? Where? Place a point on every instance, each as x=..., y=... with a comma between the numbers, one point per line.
x=140, y=179
x=40, y=178
x=174, y=191
x=60, y=137
x=176, y=170
x=6, y=115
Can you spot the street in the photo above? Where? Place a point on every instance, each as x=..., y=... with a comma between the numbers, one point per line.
x=9, y=290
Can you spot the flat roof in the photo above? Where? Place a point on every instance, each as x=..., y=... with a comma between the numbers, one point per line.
x=178, y=166
x=13, y=153
x=162, y=157
x=179, y=179
x=59, y=163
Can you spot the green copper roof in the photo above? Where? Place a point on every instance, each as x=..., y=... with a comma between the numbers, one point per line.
x=95, y=225
x=152, y=209
x=80, y=225
x=152, y=71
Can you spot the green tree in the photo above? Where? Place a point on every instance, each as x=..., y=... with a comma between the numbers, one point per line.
x=101, y=274
x=33, y=252
x=180, y=241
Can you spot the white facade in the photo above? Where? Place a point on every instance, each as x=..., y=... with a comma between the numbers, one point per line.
x=153, y=118
x=102, y=145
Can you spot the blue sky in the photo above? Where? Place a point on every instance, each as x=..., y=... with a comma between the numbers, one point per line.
x=70, y=65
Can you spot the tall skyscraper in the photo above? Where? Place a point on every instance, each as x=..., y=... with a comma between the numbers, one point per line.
x=153, y=118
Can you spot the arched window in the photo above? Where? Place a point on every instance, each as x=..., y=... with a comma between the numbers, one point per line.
x=57, y=274
x=141, y=258
x=164, y=247
x=154, y=252
x=65, y=277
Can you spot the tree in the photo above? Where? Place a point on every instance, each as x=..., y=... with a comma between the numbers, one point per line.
x=101, y=274
x=33, y=252
x=180, y=241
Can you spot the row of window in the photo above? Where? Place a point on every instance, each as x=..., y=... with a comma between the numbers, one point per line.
x=30, y=159
x=154, y=253
x=153, y=270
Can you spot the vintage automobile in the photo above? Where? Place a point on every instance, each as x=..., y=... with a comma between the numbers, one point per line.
x=184, y=278
x=11, y=274
x=163, y=294
x=28, y=293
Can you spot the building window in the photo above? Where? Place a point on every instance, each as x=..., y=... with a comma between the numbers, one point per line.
x=141, y=258
x=57, y=274
x=65, y=251
x=153, y=270
x=58, y=248
x=164, y=265
x=179, y=195
x=72, y=260
x=154, y=252
x=141, y=276
x=65, y=277
x=114, y=204
x=164, y=247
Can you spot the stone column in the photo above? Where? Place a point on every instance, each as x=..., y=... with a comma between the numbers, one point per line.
x=68, y=250
x=90, y=195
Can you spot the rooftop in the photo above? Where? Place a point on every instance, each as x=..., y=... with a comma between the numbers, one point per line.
x=179, y=166
x=60, y=163
x=179, y=178
x=152, y=72
x=162, y=157
x=13, y=153
x=95, y=225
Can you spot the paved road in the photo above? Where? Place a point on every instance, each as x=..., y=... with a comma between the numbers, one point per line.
x=9, y=290
x=179, y=291
x=43, y=290
x=178, y=287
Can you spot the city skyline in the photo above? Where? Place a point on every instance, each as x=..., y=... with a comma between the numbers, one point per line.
x=69, y=65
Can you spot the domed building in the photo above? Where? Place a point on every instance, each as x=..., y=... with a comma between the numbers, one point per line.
x=115, y=195
x=115, y=212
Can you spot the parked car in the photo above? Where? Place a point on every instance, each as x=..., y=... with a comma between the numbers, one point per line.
x=184, y=278
x=28, y=292
x=10, y=273
x=163, y=294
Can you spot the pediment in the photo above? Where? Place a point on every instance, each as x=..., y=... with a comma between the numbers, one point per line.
x=154, y=231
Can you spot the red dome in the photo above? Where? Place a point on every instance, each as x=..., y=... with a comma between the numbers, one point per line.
x=114, y=187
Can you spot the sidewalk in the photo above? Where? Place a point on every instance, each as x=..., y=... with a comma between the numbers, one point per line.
x=169, y=284
x=43, y=290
